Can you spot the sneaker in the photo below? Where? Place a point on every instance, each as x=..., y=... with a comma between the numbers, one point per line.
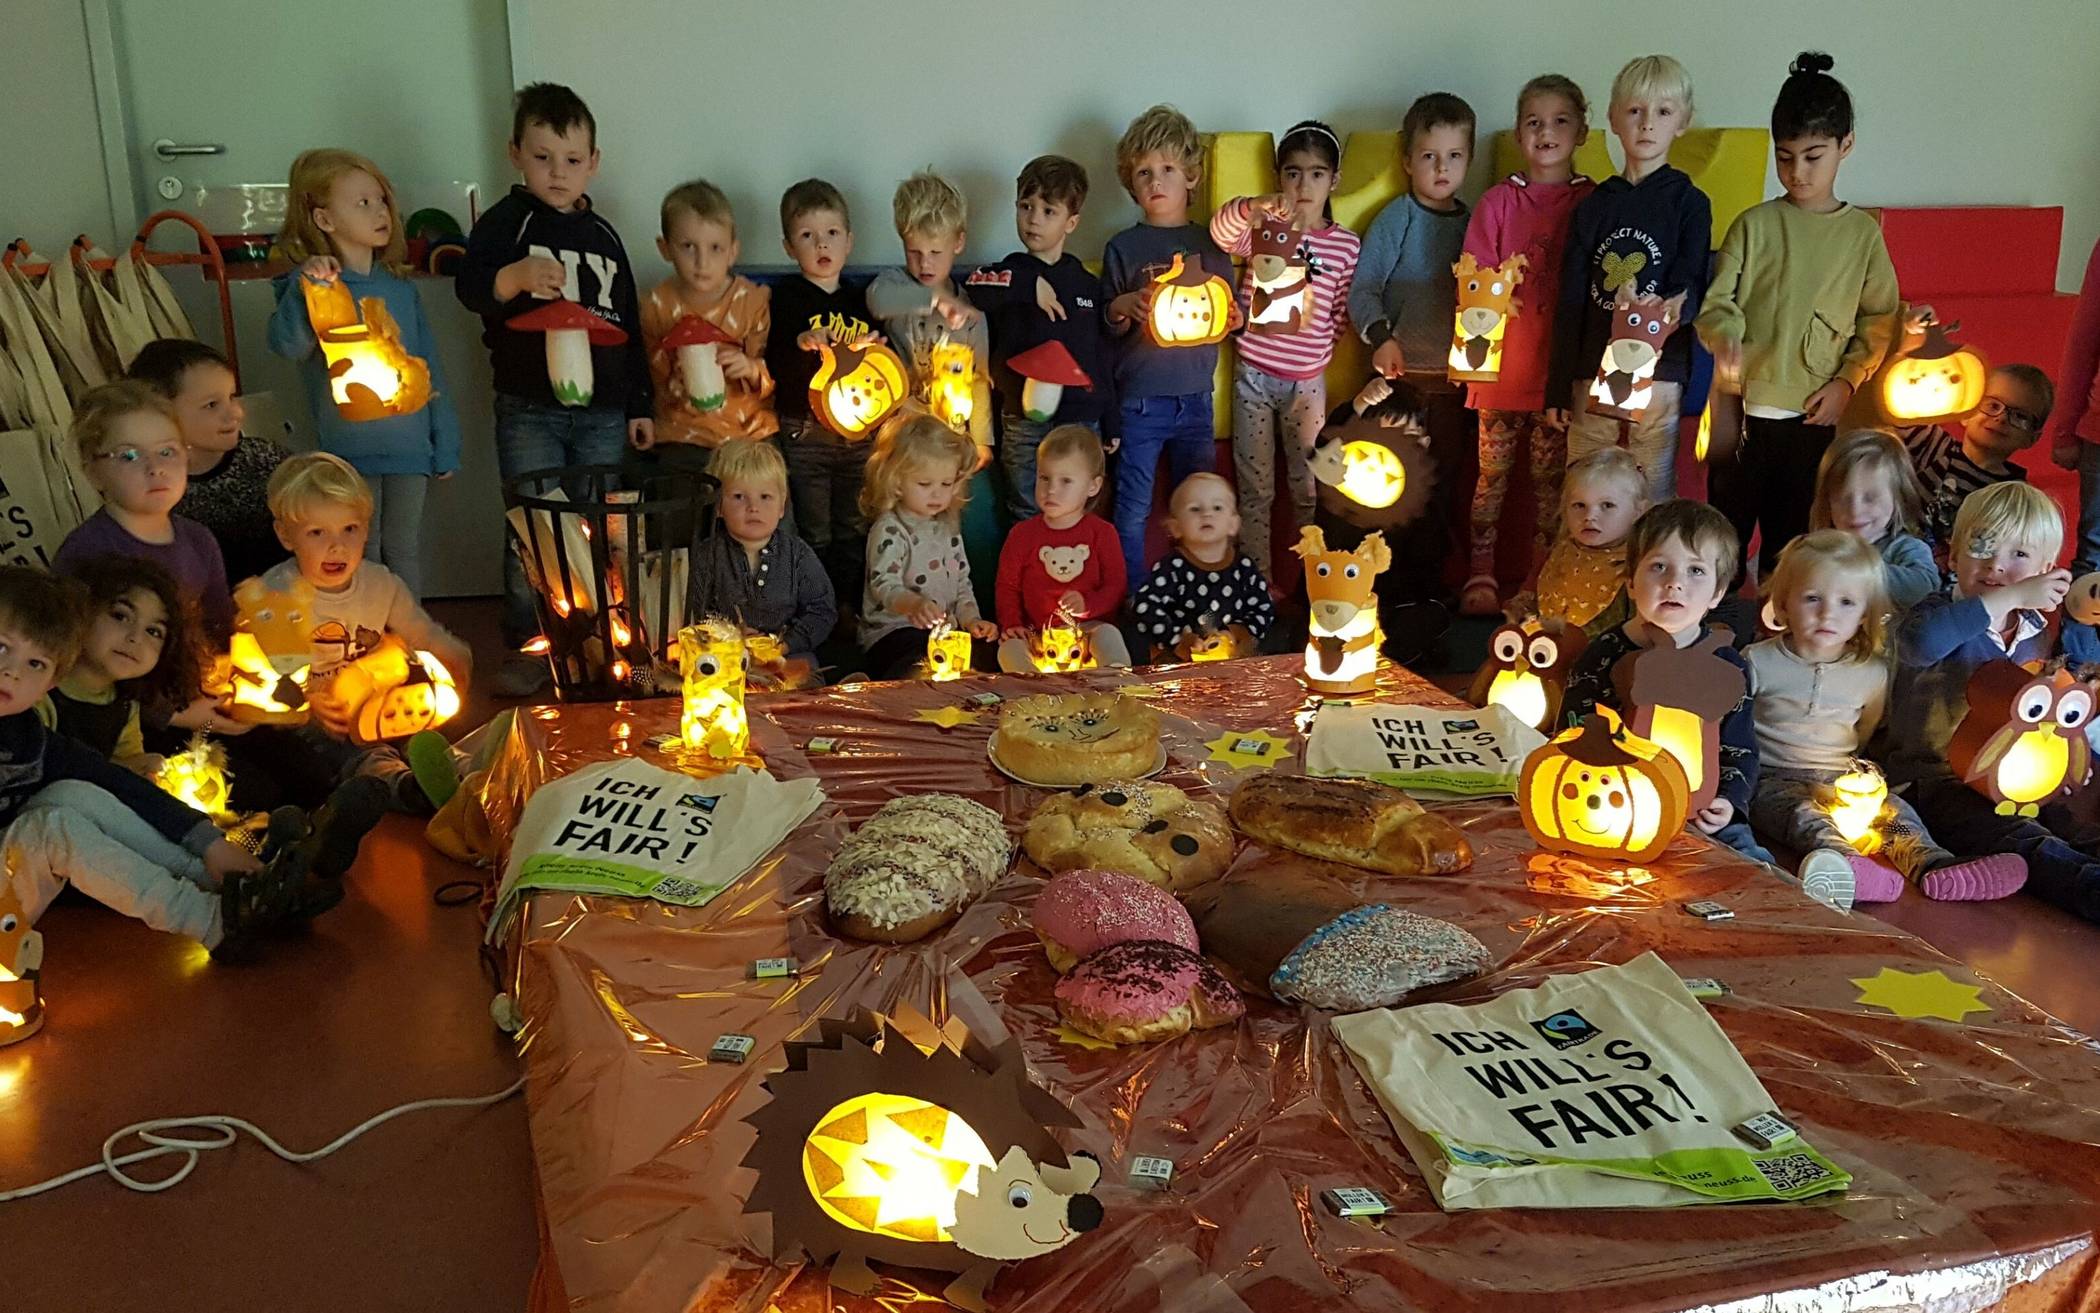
x=1827, y=877
x=1875, y=881
x=522, y=676
x=436, y=770
x=250, y=904
x=1978, y=880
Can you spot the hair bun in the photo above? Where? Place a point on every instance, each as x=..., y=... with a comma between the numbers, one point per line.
x=1811, y=62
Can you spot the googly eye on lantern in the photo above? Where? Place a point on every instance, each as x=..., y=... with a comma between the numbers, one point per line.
x=1323, y=569
x=2074, y=709
x=1508, y=646
x=2034, y=706
x=710, y=666
x=1350, y=572
x=1494, y=289
x=8, y=923
x=1019, y=1195
x=1633, y=320
x=1654, y=326
x=1544, y=652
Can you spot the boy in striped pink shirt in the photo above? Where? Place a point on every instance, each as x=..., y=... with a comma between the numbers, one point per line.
x=1294, y=291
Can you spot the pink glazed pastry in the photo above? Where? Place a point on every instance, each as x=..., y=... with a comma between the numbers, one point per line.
x=1082, y=912
x=1143, y=990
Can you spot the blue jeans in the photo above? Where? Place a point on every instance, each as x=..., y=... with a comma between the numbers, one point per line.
x=535, y=437
x=1736, y=834
x=2088, y=557
x=1179, y=426
x=395, y=539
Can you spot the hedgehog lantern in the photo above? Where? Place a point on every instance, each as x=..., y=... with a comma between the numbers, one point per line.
x=922, y=1150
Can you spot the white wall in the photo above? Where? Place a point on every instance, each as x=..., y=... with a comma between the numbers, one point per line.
x=1960, y=102
x=52, y=184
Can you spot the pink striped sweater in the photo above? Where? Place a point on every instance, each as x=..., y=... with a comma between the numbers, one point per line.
x=1332, y=252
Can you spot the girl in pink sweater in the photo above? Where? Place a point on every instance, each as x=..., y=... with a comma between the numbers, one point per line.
x=1525, y=214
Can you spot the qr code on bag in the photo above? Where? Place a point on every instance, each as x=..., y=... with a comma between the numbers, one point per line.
x=673, y=888
x=1789, y=1172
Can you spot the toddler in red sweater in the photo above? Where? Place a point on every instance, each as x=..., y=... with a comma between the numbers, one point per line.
x=1064, y=563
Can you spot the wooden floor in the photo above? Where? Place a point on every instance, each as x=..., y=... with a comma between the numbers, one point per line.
x=386, y=1001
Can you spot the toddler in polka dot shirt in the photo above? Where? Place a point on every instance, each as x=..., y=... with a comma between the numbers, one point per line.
x=1206, y=586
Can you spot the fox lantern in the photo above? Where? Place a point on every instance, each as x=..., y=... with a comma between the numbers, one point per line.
x=1341, y=657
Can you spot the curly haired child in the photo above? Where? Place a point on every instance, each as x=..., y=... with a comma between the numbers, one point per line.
x=918, y=573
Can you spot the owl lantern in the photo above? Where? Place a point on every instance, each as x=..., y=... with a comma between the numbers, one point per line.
x=1046, y=370
x=957, y=394
x=1602, y=793
x=198, y=778
x=370, y=374
x=1675, y=698
x=1527, y=670
x=947, y=653
x=1625, y=381
x=2022, y=741
x=1341, y=656
x=1190, y=306
x=1372, y=475
x=1487, y=301
x=571, y=333
x=1856, y=800
x=712, y=717
x=1280, y=290
x=693, y=343
x=855, y=386
x=1935, y=381
x=1060, y=646
x=21, y=971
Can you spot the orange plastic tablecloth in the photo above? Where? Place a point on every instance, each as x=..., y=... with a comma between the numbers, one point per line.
x=1975, y=1145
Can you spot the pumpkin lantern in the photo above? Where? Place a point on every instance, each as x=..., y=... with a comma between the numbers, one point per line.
x=692, y=342
x=1675, y=697
x=571, y=333
x=1935, y=381
x=1602, y=793
x=1060, y=646
x=1527, y=670
x=1487, y=301
x=855, y=386
x=1373, y=475
x=1341, y=654
x=21, y=971
x=711, y=716
x=1190, y=305
x=370, y=374
x=957, y=394
x=1046, y=370
x=947, y=653
x=1640, y=325
x=1857, y=797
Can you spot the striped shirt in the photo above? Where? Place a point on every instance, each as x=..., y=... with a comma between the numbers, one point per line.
x=1946, y=475
x=1331, y=255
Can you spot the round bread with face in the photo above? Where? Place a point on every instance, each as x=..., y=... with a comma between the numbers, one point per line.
x=1143, y=990
x=1082, y=912
x=914, y=866
x=1152, y=831
x=1058, y=741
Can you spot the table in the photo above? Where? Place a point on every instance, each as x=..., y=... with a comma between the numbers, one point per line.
x=1975, y=1144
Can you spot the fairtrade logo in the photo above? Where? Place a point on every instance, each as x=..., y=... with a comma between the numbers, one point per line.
x=1565, y=1030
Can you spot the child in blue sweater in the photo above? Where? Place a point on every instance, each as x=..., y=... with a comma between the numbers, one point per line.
x=341, y=225
x=2006, y=538
x=1678, y=558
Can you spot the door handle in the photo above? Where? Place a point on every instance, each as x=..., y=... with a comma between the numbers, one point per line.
x=169, y=149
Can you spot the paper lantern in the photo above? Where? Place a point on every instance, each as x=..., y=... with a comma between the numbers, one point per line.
x=2022, y=740
x=712, y=717
x=571, y=333
x=1527, y=670
x=425, y=699
x=1210, y=642
x=1190, y=305
x=957, y=394
x=1060, y=646
x=1603, y=793
x=693, y=342
x=1341, y=656
x=370, y=374
x=1721, y=423
x=1279, y=278
x=1857, y=797
x=1640, y=325
x=198, y=777
x=21, y=971
x=947, y=653
x=1373, y=475
x=2082, y=603
x=263, y=694
x=1676, y=696
x=855, y=386
x=893, y=1141
x=1046, y=370
x=1935, y=381
x=1487, y=301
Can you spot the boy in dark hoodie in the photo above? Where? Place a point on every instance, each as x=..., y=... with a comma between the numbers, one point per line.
x=1649, y=227
x=542, y=242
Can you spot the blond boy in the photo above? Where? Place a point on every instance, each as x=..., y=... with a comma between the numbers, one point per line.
x=921, y=304
x=693, y=416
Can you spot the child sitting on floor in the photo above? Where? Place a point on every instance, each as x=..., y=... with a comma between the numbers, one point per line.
x=1818, y=691
x=918, y=574
x=1583, y=581
x=1207, y=585
x=1865, y=486
x=1679, y=557
x=140, y=648
x=1063, y=564
x=748, y=568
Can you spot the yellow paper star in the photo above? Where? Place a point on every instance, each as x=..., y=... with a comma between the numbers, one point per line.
x=1067, y=1035
x=1920, y=994
x=1253, y=747
x=946, y=717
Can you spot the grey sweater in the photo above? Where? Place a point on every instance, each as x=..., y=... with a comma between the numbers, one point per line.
x=904, y=305
x=1404, y=289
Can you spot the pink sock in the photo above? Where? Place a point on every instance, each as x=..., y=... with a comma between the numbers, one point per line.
x=1977, y=880
x=1875, y=881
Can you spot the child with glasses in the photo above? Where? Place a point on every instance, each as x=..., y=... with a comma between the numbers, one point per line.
x=130, y=444
x=2016, y=403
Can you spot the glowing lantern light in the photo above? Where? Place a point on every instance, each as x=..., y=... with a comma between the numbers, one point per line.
x=1676, y=697
x=1857, y=798
x=1487, y=301
x=892, y=1163
x=21, y=971
x=1190, y=306
x=1721, y=423
x=1372, y=475
x=1046, y=370
x=692, y=341
x=263, y=692
x=1341, y=656
x=537, y=645
x=1060, y=646
x=1603, y=793
x=370, y=374
x=1625, y=381
x=198, y=777
x=855, y=386
x=1367, y=473
x=947, y=653
x=1936, y=380
x=1527, y=670
x=958, y=396
x=571, y=333
x=1208, y=641
x=712, y=717
x=2022, y=740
